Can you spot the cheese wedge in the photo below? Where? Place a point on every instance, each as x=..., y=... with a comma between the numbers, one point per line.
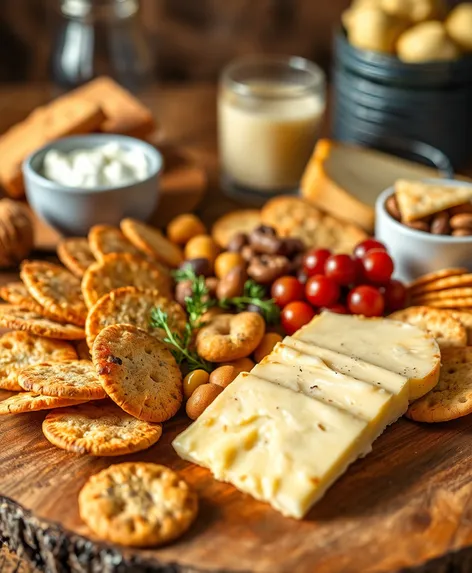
x=273, y=443
x=345, y=180
x=293, y=351
x=395, y=346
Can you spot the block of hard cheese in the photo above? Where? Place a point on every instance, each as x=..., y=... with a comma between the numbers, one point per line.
x=275, y=444
x=345, y=180
x=395, y=346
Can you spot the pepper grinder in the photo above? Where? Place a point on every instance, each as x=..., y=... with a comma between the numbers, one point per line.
x=100, y=37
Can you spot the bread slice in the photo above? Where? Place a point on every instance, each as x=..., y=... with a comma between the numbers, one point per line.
x=345, y=180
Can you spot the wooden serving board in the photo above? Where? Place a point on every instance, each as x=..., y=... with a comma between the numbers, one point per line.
x=407, y=506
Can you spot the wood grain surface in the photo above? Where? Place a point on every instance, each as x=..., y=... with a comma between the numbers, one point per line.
x=408, y=502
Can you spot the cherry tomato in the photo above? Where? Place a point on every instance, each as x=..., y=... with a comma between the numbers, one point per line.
x=378, y=266
x=338, y=308
x=366, y=246
x=341, y=268
x=287, y=289
x=366, y=300
x=395, y=295
x=314, y=261
x=295, y=315
x=321, y=291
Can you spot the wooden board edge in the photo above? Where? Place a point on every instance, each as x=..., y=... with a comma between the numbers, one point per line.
x=50, y=547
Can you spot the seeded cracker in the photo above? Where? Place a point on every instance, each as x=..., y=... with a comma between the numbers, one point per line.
x=100, y=429
x=447, y=330
x=24, y=402
x=155, y=507
x=129, y=305
x=56, y=289
x=138, y=372
x=76, y=379
x=105, y=239
x=20, y=349
x=17, y=294
x=17, y=319
x=119, y=270
x=75, y=254
x=152, y=242
x=452, y=397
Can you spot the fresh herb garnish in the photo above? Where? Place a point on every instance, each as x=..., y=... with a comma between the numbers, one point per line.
x=254, y=294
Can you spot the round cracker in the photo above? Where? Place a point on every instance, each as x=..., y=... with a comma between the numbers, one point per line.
x=242, y=221
x=17, y=294
x=447, y=330
x=99, y=429
x=129, y=305
x=138, y=372
x=155, y=507
x=76, y=379
x=457, y=303
x=75, y=254
x=452, y=397
x=421, y=282
x=21, y=349
x=460, y=292
x=56, y=289
x=15, y=318
x=105, y=239
x=152, y=242
x=30, y=402
x=119, y=270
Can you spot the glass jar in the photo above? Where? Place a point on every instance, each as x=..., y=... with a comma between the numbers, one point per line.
x=269, y=114
x=100, y=37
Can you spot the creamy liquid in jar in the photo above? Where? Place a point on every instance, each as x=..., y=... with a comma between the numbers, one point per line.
x=266, y=139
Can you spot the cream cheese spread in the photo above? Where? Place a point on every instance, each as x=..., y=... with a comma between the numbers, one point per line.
x=106, y=165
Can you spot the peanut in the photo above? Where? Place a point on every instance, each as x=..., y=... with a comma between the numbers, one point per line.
x=202, y=246
x=223, y=375
x=226, y=262
x=269, y=340
x=201, y=398
x=184, y=227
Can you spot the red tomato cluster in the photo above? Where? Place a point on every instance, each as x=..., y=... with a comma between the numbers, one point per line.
x=357, y=284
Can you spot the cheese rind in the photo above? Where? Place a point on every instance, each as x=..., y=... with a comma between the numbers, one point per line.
x=395, y=346
x=276, y=444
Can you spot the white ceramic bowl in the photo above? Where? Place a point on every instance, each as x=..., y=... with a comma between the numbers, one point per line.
x=415, y=252
x=73, y=211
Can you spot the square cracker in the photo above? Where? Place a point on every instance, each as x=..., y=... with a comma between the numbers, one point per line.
x=417, y=199
x=124, y=113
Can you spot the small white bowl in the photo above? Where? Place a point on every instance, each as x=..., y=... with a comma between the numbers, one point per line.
x=72, y=211
x=416, y=252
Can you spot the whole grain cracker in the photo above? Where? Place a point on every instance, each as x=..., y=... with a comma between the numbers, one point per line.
x=105, y=239
x=76, y=379
x=17, y=294
x=466, y=319
x=138, y=372
x=451, y=398
x=129, y=305
x=30, y=402
x=20, y=349
x=417, y=199
x=456, y=303
x=294, y=217
x=152, y=242
x=13, y=317
x=240, y=221
x=56, y=289
x=119, y=270
x=446, y=283
x=100, y=429
x=75, y=254
x=434, y=276
x=447, y=330
x=137, y=504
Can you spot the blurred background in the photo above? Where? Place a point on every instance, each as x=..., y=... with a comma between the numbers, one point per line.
x=190, y=39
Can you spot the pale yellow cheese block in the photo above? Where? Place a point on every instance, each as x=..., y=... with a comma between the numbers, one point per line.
x=275, y=444
x=392, y=345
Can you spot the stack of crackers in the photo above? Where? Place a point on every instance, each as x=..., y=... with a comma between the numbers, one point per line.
x=101, y=105
x=82, y=344
x=441, y=305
